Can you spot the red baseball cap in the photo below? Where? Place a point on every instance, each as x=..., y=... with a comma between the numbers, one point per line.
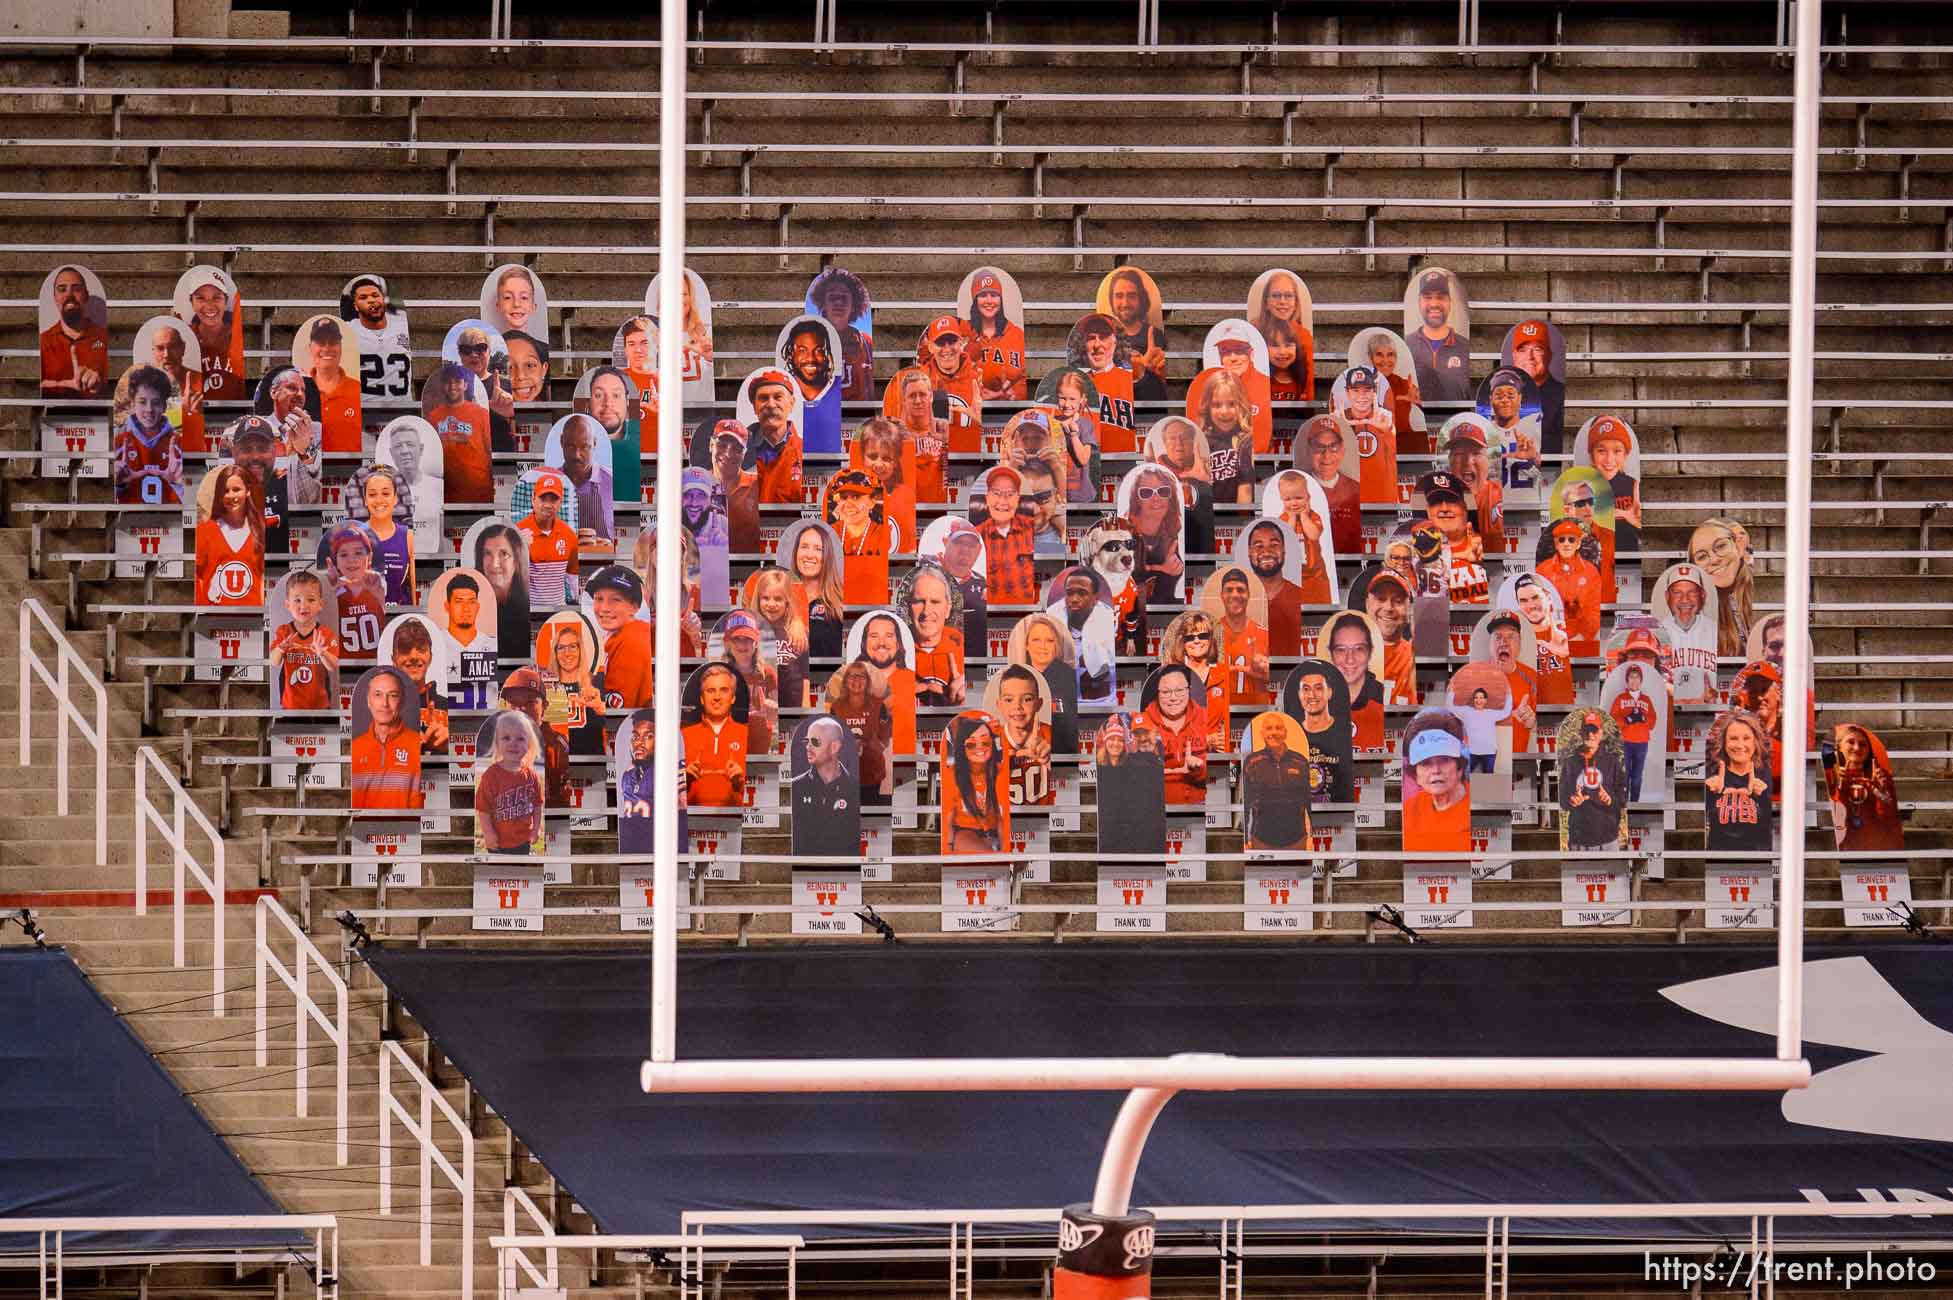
x=1608, y=429
x=986, y=282
x=1532, y=331
x=944, y=325
x=547, y=483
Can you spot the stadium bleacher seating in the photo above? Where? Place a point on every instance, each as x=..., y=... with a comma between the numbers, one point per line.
x=1624, y=176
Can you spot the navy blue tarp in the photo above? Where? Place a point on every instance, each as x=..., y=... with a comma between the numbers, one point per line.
x=91, y=1125
x=554, y=1040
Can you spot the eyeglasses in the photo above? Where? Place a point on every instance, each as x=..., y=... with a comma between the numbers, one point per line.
x=1145, y=493
x=1324, y=446
x=1198, y=636
x=1578, y=503
x=473, y=349
x=1117, y=544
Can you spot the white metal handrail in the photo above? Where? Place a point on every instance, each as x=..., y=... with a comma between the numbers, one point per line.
x=421, y=1129
x=67, y=662
x=513, y=1255
x=692, y=1248
x=173, y=828
x=307, y=1009
x=52, y=1231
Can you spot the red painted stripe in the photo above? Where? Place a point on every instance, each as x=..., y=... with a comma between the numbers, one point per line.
x=113, y=898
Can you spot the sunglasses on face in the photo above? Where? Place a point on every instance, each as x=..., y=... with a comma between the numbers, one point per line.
x=1199, y=636
x=473, y=349
x=1580, y=503
x=1119, y=544
x=1151, y=493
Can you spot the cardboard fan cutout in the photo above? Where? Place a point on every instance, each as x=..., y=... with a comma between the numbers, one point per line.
x=412, y=644
x=513, y=298
x=1193, y=641
x=811, y=554
x=1177, y=444
x=1020, y=699
x=1385, y=595
x=385, y=754
x=1474, y=456
x=880, y=447
x=206, y=299
x=73, y=326
x=634, y=759
x=1132, y=300
x=167, y=344
x=1078, y=596
x=498, y=551
x=1131, y=786
x=1328, y=450
x=954, y=543
x=1238, y=605
x=578, y=447
x=1864, y=798
x=569, y=654
x=992, y=307
x=508, y=785
x=928, y=598
x=147, y=449
x=613, y=600
x=378, y=328
x=1275, y=783
x=1173, y=710
x=377, y=496
x=462, y=606
x=855, y=507
x=412, y=450
x=1111, y=548
x=304, y=645
x=1150, y=497
x=770, y=407
x=768, y=597
x=1538, y=602
x=1511, y=402
x=1437, y=784
x=1387, y=357
x=328, y=354
x=1236, y=348
x=1684, y=605
x=1043, y=643
x=230, y=539
x=1299, y=502
x=809, y=349
x=634, y=356
x=1029, y=445
x=880, y=639
x=478, y=347
x=610, y=397
x=857, y=695
x=824, y=776
x=1316, y=696
x=455, y=403
x=976, y=785
x=838, y=297
x=1481, y=697
x=717, y=708
x=1636, y=697
x=1738, y=792
x=720, y=446
x=1593, y=782
x=737, y=640
x=1437, y=328
x=703, y=515
x=695, y=348
x=1273, y=554
x=1223, y=408
x=1608, y=445
x=348, y=554
x=1279, y=306
x=1093, y=349
x=1503, y=639
x=1351, y=642
x=991, y=502
x=1442, y=497
x=1537, y=349
x=1721, y=549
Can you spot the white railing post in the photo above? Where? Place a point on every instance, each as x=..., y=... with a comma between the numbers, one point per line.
x=175, y=829
x=307, y=1010
x=68, y=663
x=513, y=1257
x=430, y=1156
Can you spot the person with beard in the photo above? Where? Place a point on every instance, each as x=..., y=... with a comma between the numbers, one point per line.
x=809, y=360
x=1267, y=556
x=1245, y=643
x=1346, y=639
x=254, y=445
x=473, y=349
x=1275, y=788
x=1130, y=304
x=939, y=648
x=1321, y=440
x=1090, y=621
x=1111, y=548
x=74, y=350
x=881, y=647
x=1309, y=698
x=1440, y=356
x=1593, y=787
x=1018, y=701
x=609, y=404
x=1532, y=353
x=525, y=690
x=1093, y=350
x=1554, y=657
x=706, y=525
x=736, y=487
x=826, y=796
x=776, y=450
x=857, y=696
x=1387, y=600
x=1682, y=593
x=841, y=299
x=1177, y=718
x=1507, y=639
x=386, y=358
